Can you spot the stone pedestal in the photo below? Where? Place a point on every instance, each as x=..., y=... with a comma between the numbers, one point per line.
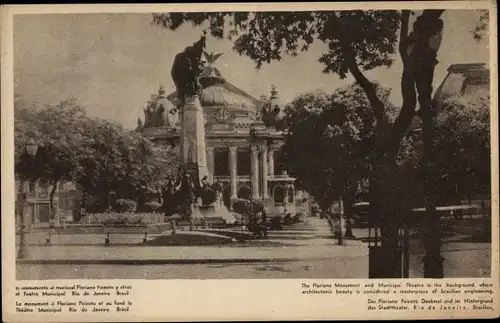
x=217, y=210
x=193, y=136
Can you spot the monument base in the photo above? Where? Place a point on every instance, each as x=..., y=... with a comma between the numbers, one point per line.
x=216, y=210
x=207, y=212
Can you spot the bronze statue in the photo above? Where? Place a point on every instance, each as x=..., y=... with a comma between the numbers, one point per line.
x=187, y=69
x=210, y=193
x=185, y=192
x=170, y=202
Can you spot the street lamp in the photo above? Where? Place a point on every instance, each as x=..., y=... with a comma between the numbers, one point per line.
x=31, y=149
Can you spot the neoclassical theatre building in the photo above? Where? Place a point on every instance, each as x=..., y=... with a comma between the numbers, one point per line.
x=242, y=150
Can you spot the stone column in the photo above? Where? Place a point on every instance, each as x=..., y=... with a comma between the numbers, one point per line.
x=264, y=173
x=254, y=180
x=193, y=136
x=210, y=163
x=232, y=171
x=270, y=161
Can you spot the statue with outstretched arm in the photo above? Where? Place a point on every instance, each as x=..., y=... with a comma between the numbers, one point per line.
x=187, y=68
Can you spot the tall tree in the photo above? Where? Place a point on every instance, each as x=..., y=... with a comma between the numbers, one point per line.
x=54, y=128
x=99, y=155
x=463, y=153
x=116, y=163
x=329, y=142
x=357, y=41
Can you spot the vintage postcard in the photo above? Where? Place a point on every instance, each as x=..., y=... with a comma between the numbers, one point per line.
x=213, y=162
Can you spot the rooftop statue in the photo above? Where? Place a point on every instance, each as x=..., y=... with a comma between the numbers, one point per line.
x=187, y=68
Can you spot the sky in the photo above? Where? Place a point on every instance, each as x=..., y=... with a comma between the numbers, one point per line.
x=112, y=63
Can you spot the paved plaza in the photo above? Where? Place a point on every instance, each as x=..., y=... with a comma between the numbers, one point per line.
x=299, y=251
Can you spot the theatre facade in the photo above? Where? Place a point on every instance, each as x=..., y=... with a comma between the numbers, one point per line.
x=242, y=147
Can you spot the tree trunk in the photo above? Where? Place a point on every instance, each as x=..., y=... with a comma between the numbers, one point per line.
x=51, y=201
x=348, y=200
x=384, y=202
x=428, y=29
x=340, y=221
x=433, y=262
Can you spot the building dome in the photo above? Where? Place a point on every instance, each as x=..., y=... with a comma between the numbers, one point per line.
x=219, y=95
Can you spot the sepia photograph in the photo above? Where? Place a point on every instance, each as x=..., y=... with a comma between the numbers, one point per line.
x=329, y=144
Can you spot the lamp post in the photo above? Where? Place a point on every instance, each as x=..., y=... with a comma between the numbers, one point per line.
x=31, y=149
x=108, y=168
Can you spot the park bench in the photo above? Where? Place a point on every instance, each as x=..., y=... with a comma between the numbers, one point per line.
x=453, y=211
x=214, y=222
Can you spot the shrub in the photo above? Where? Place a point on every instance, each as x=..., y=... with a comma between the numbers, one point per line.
x=127, y=218
x=152, y=206
x=125, y=205
x=276, y=223
x=242, y=206
x=258, y=206
x=287, y=219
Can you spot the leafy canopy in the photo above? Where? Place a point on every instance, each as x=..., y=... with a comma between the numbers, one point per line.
x=330, y=140
x=268, y=36
x=464, y=148
x=97, y=154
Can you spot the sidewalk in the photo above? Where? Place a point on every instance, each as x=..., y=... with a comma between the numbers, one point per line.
x=312, y=242
x=187, y=255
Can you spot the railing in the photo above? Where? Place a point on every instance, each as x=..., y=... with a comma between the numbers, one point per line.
x=454, y=211
x=247, y=178
x=228, y=178
x=38, y=196
x=280, y=177
x=42, y=195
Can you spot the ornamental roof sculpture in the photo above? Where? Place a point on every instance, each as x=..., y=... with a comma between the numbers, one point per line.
x=159, y=112
x=272, y=111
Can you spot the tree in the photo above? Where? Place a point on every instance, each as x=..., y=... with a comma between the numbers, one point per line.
x=481, y=29
x=464, y=146
x=329, y=142
x=116, y=163
x=358, y=41
x=100, y=156
x=54, y=128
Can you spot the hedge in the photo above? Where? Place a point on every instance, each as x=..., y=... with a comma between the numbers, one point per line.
x=127, y=218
